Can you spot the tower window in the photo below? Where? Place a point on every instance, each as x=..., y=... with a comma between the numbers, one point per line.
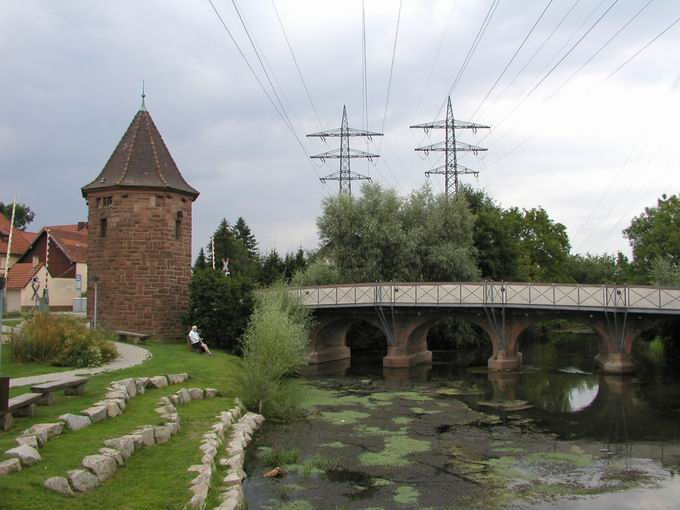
x=103, y=227
x=178, y=224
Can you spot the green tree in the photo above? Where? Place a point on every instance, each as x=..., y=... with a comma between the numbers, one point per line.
x=242, y=232
x=664, y=273
x=228, y=246
x=274, y=346
x=272, y=268
x=317, y=272
x=380, y=236
x=655, y=234
x=220, y=306
x=497, y=249
x=293, y=263
x=201, y=262
x=597, y=268
x=543, y=245
x=23, y=215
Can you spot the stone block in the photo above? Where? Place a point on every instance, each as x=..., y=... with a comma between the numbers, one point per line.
x=103, y=466
x=137, y=439
x=96, y=413
x=211, y=392
x=112, y=409
x=30, y=440
x=49, y=430
x=197, y=502
x=10, y=466
x=82, y=480
x=231, y=479
x=131, y=386
x=115, y=454
x=75, y=421
x=183, y=395
x=196, y=393
x=58, y=484
x=177, y=378
x=142, y=382
x=201, y=489
x=140, y=385
x=174, y=400
x=125, y=445
x=117, y=394
x=25, y=453
x=164, y=401
x=162, y=433
x=174, y=428
x=147, y=433
x=159, y=381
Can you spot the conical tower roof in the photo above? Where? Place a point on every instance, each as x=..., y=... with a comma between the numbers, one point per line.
x=141, y=160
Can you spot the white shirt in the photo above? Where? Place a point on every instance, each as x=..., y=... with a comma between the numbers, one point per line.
x=194, y=336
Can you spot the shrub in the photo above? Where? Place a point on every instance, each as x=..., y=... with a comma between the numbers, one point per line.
x=319, y=272
x=275, y=346
x=220, y=306
x=61, y=340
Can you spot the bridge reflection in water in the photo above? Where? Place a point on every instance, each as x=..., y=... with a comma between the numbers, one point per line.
x=405, y=312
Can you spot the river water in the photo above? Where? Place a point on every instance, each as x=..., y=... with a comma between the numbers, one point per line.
x=556, y=434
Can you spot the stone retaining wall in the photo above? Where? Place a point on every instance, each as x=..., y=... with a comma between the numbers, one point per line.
x=114, y=404
x=233, y=430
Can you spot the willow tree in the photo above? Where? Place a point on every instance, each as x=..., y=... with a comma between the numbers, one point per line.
x=382, y=236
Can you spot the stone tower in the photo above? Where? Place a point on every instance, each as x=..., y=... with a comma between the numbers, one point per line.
x=139, y=241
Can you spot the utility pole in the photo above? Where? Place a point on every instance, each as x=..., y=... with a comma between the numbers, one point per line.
x=345, y=176
x=450, y=169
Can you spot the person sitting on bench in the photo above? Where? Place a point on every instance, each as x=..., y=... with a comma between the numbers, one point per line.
x=197, y=343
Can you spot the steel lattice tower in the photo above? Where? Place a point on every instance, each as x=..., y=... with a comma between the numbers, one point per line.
x=345, y=176
x=450, y=169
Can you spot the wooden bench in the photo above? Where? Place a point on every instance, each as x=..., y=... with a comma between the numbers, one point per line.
x=72, y=386
x=21, y=405
x=134, y=337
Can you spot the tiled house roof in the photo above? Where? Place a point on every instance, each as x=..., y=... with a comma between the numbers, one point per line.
x=141, y=160
x=73, y=243
x=20, y=275
x=20, y=240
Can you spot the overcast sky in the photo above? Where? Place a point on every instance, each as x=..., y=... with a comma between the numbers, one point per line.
x=593, y=155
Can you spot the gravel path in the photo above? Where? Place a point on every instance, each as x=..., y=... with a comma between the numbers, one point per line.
x=129, y=356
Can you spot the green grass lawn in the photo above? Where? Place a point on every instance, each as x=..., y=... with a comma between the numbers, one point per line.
x=12, y=323
x=11, y=368
x=153, y=478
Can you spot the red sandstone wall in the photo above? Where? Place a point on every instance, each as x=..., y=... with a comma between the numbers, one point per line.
x=143, y=270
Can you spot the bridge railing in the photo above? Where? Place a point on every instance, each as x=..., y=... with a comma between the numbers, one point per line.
x=469, y=294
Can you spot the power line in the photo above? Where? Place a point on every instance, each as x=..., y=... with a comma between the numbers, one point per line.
x=545, y=77
x=434, y=61
x=512, y=59
x=599, y=50
x=389, y=80
x=259, y=81
x=297, y=66
x=628, y=60
x=471, y=51
x=538, y=50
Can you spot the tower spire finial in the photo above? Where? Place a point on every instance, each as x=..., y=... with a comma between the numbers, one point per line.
x=143, y=107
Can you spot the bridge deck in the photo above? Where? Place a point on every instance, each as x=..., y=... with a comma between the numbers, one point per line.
x=623, y=298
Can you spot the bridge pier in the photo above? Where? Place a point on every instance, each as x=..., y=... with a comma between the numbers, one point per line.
x=505, y=360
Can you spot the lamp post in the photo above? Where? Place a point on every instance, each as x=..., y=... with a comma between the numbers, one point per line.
x=96, y=289
x=4, y=380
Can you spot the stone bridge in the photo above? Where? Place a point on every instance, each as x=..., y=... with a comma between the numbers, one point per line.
x=405, y=312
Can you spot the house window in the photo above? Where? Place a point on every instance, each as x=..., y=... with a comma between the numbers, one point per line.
x=108, y=201
x=99, y=202
x=79, y=282
x=103, y=224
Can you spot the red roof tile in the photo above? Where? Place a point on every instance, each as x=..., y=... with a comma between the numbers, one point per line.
x=21, y=240
x=73, y=243
x=141, y=160
x=20, y=275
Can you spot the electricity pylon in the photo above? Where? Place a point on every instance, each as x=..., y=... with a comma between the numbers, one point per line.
x=345, y=176
x=450, y=169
